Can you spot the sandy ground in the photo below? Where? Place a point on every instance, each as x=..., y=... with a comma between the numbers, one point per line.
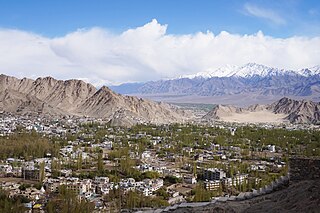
x=255, y=117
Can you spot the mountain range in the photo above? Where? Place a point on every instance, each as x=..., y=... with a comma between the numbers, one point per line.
x=48, y=96
x=249, y=80
x=76, y=98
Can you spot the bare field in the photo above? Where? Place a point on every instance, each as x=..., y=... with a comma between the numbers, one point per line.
x=240, y=100
x=255, y=117
x=17, y=180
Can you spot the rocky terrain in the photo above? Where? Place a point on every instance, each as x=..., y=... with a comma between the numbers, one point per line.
x=294, y=111
x=75, y=97
x=302, y=196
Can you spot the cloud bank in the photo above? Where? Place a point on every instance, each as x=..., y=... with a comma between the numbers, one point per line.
x=145, y=53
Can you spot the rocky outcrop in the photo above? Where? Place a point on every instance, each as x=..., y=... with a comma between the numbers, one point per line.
x=302, y=111
x=223, y=110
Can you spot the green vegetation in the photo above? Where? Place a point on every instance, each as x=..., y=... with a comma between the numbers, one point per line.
x=27, y=146
x=178, y=147
x=203, y=195
x=133, y=199
x=11, y=205
x=66, y=201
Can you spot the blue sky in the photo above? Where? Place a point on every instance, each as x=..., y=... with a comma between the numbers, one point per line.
x=111, y=42
x=278, y=18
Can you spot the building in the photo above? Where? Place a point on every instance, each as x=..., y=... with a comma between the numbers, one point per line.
x=272, y=148
x=190, y=179
x=212, y=185
x=79, y=187
x=232, y=131
x=101, y=180
x=213, y=174
x=31, y=174
x=236, y=180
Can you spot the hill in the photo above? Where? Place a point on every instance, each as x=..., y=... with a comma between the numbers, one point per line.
x=76, y=98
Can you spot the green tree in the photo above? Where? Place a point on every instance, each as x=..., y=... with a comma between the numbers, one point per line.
x=67, y=201
x=79, y=161
x=201, y=194
x=41, y=171
x=10, y=205
x=100, y=163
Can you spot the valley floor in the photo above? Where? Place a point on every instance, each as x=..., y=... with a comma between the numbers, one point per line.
x=241, y=100
x=255, y=117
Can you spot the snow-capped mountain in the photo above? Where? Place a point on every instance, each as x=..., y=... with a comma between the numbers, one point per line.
x=251, y=78
x=310, y=71
x=197, y=75
x=225, y=71
x=251, y=69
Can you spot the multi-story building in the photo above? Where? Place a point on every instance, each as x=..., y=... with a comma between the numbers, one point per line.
x=212, y=184
x=31, y=174
x=236, y=180
x=213, y=174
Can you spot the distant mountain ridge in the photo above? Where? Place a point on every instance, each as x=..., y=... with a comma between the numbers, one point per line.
x=249, y=79
x=253, y=69
x=75, y=97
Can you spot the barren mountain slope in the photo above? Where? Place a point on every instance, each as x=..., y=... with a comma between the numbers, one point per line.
x=222, y=111
x=75, y=97
x=16, y=102
x=303, y=111
x=106, y=103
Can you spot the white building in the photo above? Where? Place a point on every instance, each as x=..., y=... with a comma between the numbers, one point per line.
x=212, y=184
x=190, y=179
x=272, y=148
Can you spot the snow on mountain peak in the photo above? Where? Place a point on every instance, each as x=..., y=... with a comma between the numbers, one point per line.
x=310, y=71
x=226, y=71
x=250, y=70
x=198, y=75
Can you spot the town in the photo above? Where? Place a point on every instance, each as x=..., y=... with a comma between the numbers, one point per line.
x=48, y=162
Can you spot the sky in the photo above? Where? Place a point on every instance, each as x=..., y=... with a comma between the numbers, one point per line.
x=110, y=42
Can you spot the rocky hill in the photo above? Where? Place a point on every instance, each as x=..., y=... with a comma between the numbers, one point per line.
x=75, y=97
x=221, y=111
x=294, y=111
x=302, y=111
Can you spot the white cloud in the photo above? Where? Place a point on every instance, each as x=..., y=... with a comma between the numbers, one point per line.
x=264, y=13
x=145, y=53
